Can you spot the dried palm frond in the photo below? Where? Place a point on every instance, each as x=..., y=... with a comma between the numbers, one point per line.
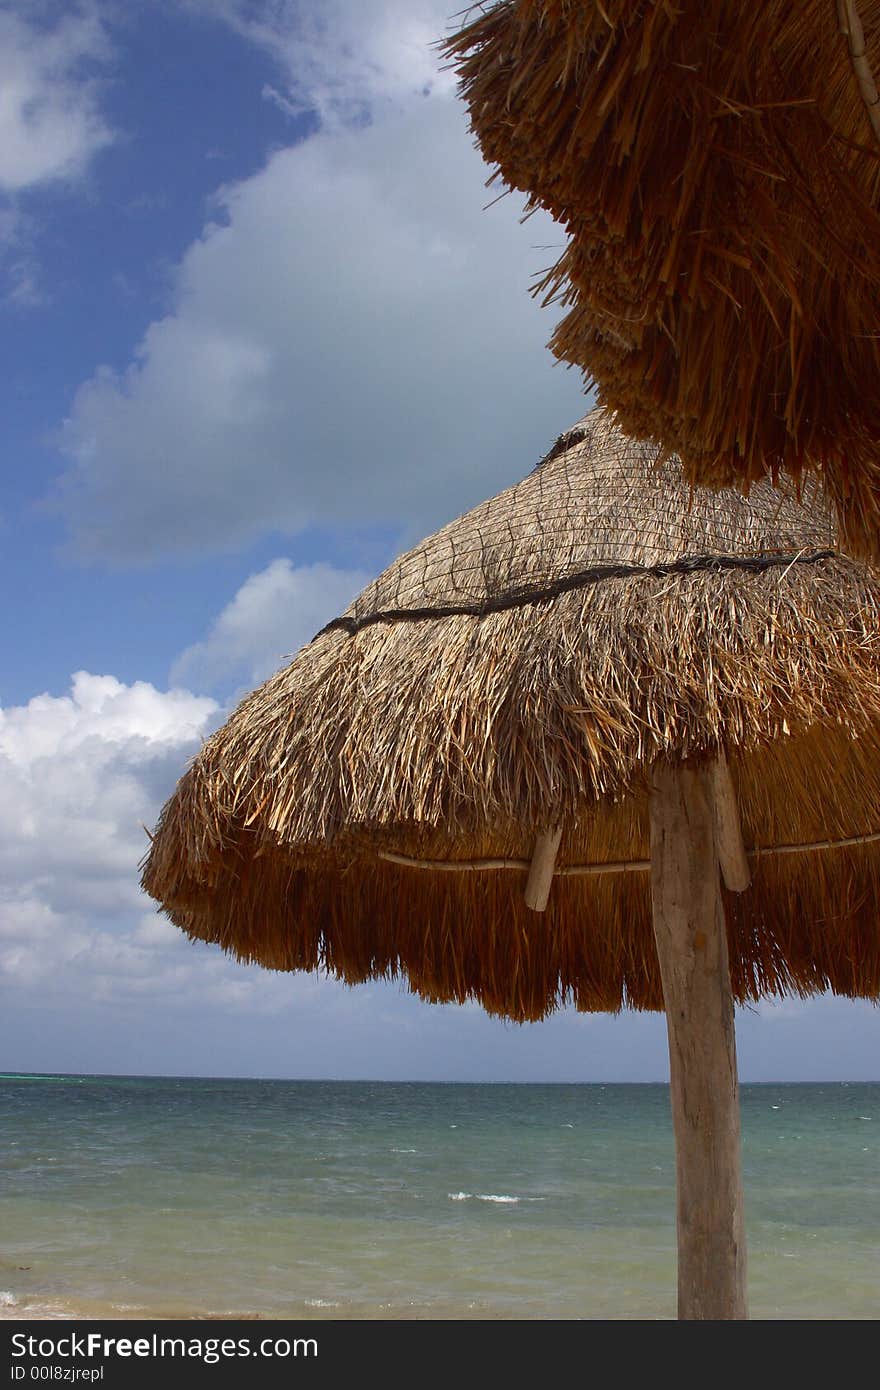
x=717, y=166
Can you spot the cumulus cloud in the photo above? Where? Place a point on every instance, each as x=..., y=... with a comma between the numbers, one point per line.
x=343, y=59
x=50, y=122
x=81, y=947
x=273, y=614
x=80, y=776
x=351, y=341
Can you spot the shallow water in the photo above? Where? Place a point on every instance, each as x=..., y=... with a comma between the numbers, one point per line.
x=190, y=1198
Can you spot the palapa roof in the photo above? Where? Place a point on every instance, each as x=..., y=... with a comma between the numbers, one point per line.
x=717, y=165
x=527, y=666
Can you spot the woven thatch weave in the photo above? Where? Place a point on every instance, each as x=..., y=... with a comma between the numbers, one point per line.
x=626, y=511
x=527, y=665
x=717, y=165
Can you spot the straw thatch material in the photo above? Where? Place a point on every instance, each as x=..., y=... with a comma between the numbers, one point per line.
x=523, y=668
x=717, y=165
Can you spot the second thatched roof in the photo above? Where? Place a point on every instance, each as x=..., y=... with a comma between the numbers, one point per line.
x=373, y=807
x=717, y=165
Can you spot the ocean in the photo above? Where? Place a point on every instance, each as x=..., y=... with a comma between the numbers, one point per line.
x=173, y=1197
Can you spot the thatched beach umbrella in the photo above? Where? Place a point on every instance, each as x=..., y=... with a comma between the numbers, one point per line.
x=510, y=770
x=717, y=165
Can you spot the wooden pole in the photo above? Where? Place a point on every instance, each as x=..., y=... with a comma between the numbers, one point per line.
x=692, y=949
x=541, y=869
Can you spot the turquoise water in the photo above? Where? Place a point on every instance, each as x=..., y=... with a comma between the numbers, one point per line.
x=177, y=1197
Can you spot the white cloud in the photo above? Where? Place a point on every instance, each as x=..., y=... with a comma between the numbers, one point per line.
x=343, y=59
x=50, y=122
x=99, y=707
x=51, y=126
x=80, y=777
x=274, y=613
x=352, y=341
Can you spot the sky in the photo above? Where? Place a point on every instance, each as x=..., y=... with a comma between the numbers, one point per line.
x=263, y=326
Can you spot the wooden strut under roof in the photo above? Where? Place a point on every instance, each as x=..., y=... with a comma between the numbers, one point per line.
x=733, y=857
x=616, y=866
x=541, y=870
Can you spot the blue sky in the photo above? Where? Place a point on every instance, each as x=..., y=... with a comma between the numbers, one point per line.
x=259, y=332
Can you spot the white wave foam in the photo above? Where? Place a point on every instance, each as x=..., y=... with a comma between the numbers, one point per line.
x=404, y=1151
x=12, y=1308
x=503, y=1198
x=320, y=1303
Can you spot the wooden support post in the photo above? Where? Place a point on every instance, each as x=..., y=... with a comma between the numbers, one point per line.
x=541, y=869
x=728, y=828
x=692, y=949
